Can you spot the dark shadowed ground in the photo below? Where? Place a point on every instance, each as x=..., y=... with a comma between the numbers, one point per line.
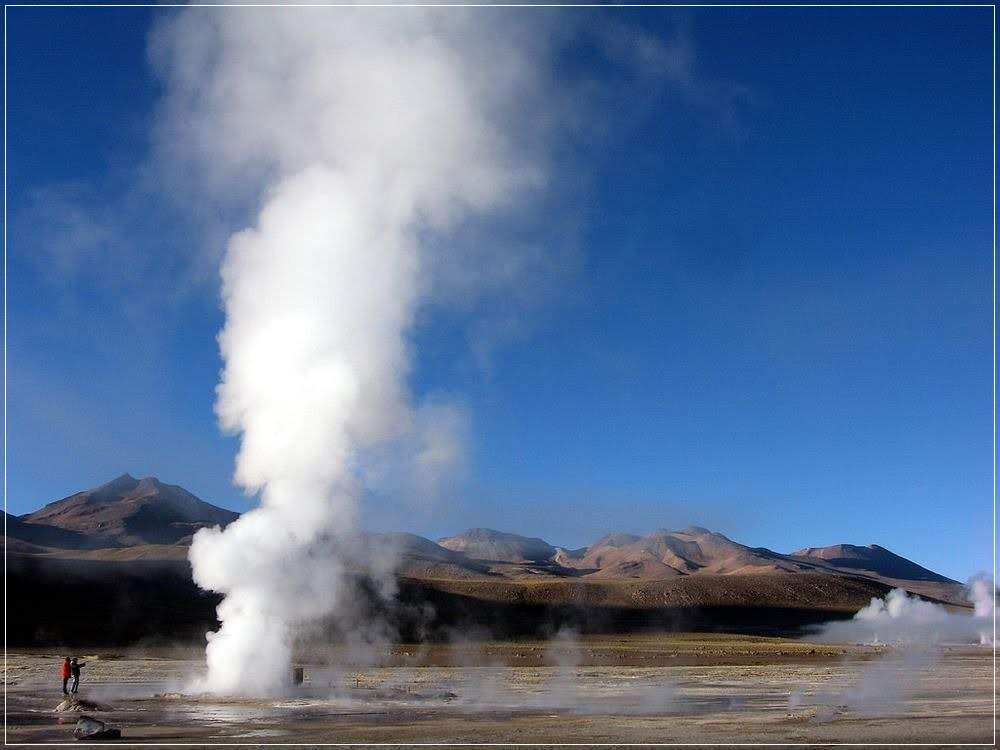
x=92, y=602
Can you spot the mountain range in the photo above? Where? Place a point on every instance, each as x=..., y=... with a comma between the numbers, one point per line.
x=129, y=518
x=115, y=556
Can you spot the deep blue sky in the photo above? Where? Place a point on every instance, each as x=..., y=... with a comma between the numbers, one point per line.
x=774, y=319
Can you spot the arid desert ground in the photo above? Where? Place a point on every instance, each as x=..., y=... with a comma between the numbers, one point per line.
x=660, y=688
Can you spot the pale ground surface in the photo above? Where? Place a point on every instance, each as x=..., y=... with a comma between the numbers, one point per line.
x=610, y=689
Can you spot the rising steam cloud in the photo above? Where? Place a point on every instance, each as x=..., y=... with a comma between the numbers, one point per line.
x=361, y=133
x=903, y=620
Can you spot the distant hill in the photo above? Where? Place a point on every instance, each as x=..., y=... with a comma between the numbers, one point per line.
x=41, y=535
x=499, y=546
x=870, y=559
x=667, y=554
x=125, y=512
x=418, y=557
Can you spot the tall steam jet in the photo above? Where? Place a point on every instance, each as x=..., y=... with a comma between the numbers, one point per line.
x=363, y=136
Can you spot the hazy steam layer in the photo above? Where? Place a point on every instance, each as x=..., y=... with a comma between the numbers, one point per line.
x=369, y=131
x=913, y=629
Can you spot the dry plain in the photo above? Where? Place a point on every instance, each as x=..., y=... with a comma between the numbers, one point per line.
x=649, y=688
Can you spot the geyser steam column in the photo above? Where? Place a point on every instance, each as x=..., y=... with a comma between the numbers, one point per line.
x=364, y=131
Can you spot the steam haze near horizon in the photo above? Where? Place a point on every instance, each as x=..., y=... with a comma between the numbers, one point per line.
x=755, y=296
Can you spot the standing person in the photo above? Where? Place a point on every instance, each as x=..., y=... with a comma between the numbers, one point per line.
x=75, y=667
x=65, y=674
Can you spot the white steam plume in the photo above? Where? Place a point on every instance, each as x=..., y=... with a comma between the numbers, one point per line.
x=983, y=593
x=904, y=620
x=369, y=130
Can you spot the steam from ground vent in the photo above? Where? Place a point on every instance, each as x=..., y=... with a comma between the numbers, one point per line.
x=909, y=633
x=368, y=131
x=904, y=620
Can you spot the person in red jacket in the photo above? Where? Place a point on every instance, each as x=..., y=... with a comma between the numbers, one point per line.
x=65, y=674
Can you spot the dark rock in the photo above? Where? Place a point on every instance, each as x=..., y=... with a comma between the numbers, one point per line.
x=89, y=728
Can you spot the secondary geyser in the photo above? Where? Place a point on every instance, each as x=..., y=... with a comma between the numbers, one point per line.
x=367, y=134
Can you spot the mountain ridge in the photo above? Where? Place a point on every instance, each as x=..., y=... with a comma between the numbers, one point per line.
x=106, y=546
x=129, y=518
